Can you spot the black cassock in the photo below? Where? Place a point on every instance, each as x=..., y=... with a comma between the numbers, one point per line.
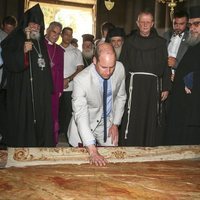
x=21, y=128
x=146, y=59
x=184, y=115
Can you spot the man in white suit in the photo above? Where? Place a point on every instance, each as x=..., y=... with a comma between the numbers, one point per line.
x=87, y=123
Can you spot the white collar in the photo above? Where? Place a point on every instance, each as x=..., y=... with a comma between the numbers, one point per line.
x=49, y=42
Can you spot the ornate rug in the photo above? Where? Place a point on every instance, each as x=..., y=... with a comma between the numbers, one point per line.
x=20, y=157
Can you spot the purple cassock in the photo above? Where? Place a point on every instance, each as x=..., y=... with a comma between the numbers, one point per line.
x=56, y=58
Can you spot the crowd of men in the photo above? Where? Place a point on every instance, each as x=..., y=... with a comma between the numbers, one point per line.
x=136, y=90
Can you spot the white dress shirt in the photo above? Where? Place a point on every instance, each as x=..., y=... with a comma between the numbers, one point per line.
x=174, y=45
x=72, y=59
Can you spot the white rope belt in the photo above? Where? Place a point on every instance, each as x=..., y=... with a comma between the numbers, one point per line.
x=130, y=95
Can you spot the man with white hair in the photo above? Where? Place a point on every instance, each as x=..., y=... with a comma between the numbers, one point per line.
x=29, y=83
x=116, y=38
x=56, y=58
x=184, y=120
x=87, y=49
x=144, y=55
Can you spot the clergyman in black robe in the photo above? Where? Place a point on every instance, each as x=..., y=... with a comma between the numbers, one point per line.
x=184, y=115
x=144, y=55
x=28, y=104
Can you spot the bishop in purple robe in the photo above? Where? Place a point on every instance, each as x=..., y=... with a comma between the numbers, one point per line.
x=56, y=57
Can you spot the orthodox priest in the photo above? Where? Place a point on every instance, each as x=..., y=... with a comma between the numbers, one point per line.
x=87, y=49
x=184, y=115
x=29, y=83
x=144, y=55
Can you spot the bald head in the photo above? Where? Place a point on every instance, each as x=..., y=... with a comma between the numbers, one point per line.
x=105, y=60
x=103, y=49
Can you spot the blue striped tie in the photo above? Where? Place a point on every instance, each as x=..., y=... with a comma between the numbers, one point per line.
x=105, y=86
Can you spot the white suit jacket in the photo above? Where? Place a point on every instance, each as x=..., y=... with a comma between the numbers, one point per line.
x=87, y=103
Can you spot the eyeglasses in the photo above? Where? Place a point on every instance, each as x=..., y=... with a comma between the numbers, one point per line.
x=196, y=24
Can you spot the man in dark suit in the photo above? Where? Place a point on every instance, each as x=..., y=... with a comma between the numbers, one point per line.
x=176, y=40
x=177, y=46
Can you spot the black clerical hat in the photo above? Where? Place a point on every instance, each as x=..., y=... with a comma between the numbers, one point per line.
x=117, y=31
x=33, y=14
x=194, y=12
x=88, y=37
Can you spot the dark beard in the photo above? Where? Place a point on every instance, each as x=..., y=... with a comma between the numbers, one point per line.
x=35, y=35
x=192, y=40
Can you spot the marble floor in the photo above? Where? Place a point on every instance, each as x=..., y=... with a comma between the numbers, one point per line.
x=161, y=178
x=128, y=181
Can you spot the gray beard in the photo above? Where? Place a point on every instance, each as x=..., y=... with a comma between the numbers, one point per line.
x=118, y=51
x=88, y=54
x=35, y=35
x=192, y=40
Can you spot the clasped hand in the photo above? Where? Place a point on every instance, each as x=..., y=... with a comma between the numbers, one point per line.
x=28, y=46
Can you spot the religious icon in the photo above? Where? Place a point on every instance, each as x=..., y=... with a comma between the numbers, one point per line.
x=41, y=62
